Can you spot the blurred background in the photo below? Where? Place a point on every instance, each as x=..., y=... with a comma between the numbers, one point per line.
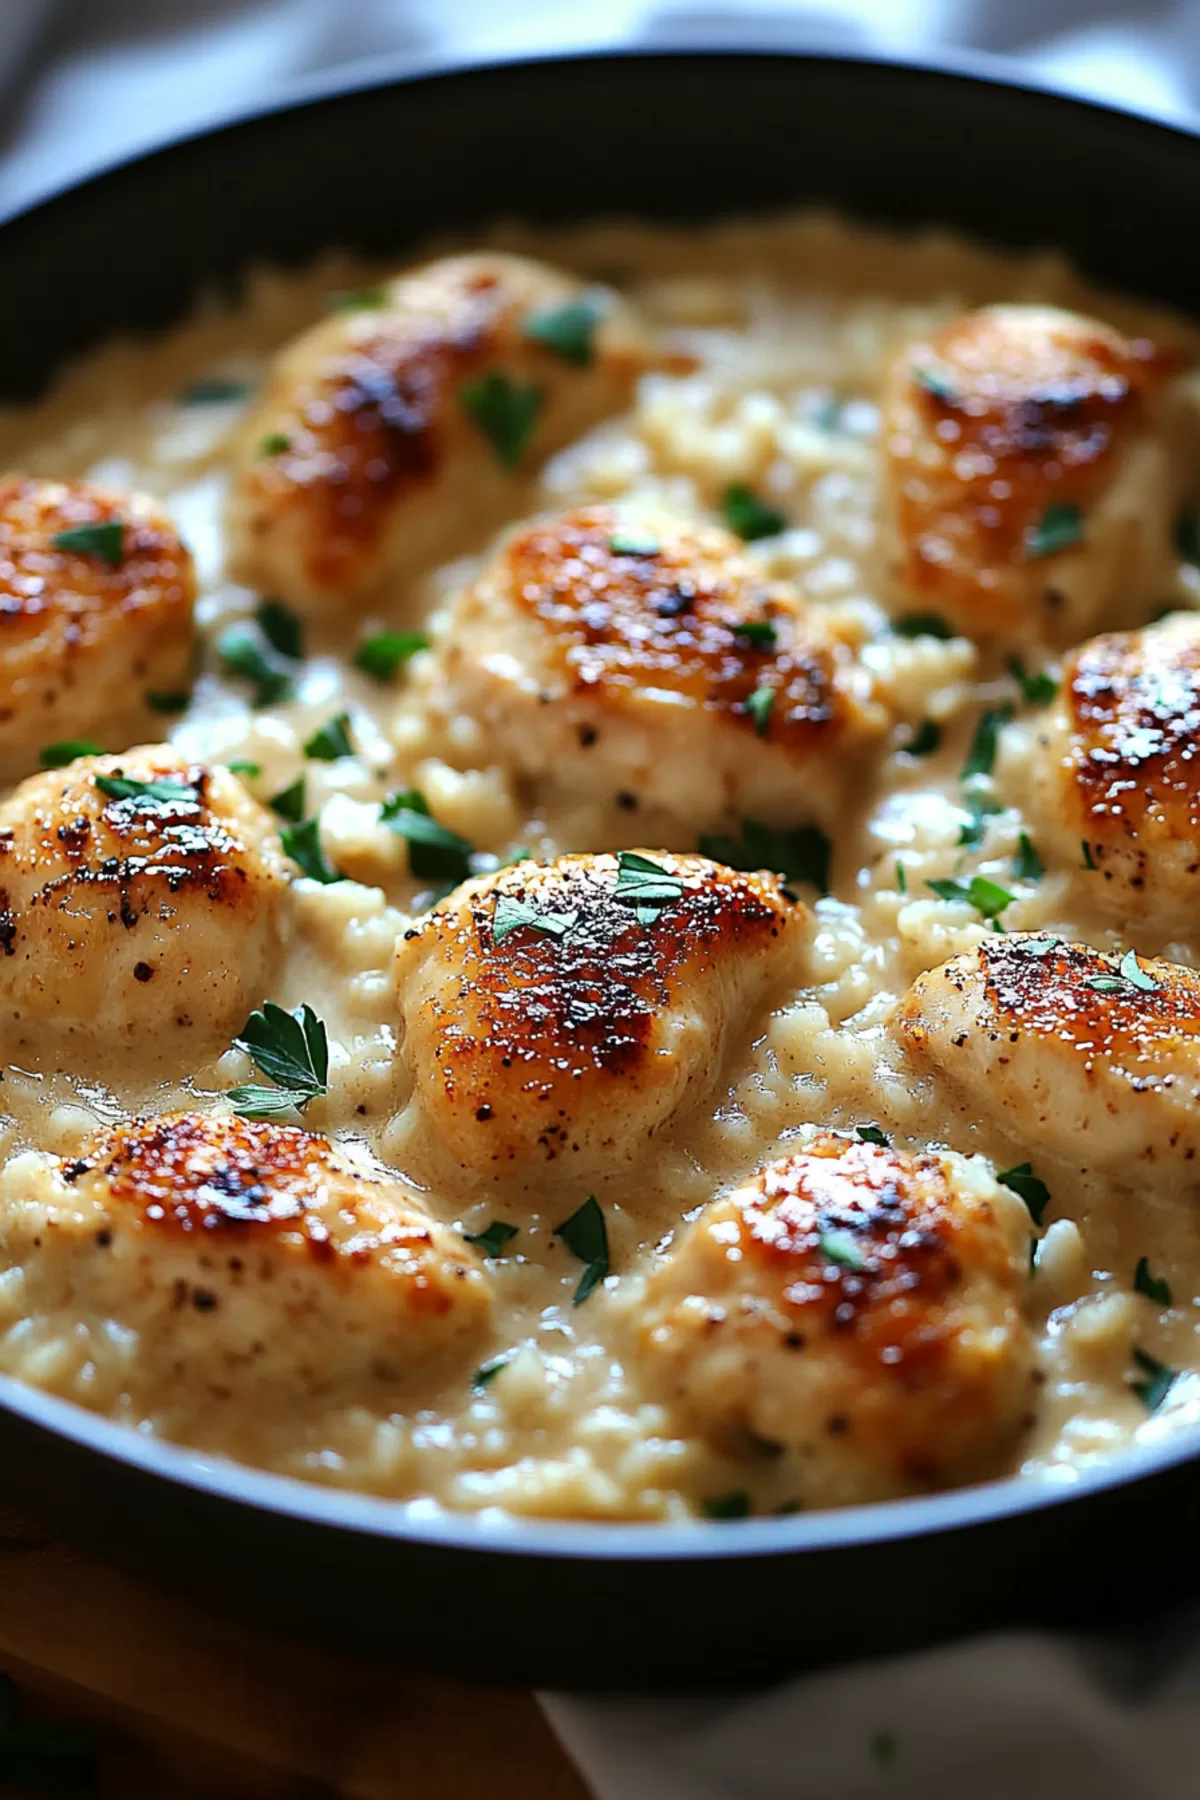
x=84, y=81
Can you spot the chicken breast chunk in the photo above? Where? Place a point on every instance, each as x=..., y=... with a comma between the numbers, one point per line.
x=557, y=1018
x=858, y=1309
x=96, y=598
x=1029, y=480
x=617, y=653
x=1117, y=786
x=139, y=909
x=248, y=1267
x=395, y=435
x=1092, y=1062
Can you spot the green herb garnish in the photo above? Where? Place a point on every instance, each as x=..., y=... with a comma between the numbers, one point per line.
x=901, y=877
x=147, y=794
x=1037, y=689
x=289, y=801
x=1134, y=973
x=67, y=750
x=1022, y=1181
x=645, y=885
x=484, y=1377
x=505, y=411
x=1153, y=1286
x=981, y=757
x=925, y=740
x=212, y=390
x=1027, y=864
x=1156, y=1383
x=386, y=651
x=243, y=651
x=493, y=1238
x=1058, y=528
x=979, y=808
x=331, y=741
x=935, y=384
x=249, y=770
x=987, y=897
x=169, y=701
x=282, y=628
x=1036, y=946
x=634, y=543
x=106, y=541
x=748, y=516
x=760, y=634
x=735, y=1505
x=510, y=914
x=357, y=299
x=569, y=329
x=839, y=1247
x=922, y=624
x=802, y=854
x=289, y=1048
x=871, y=1134
x=586, y=1236
x=1087, y=856
x=274, y=444
x=435, y=853
x=302, y=843
x=758, y=706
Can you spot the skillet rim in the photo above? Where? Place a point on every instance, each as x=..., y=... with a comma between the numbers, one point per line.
x=488, y=1532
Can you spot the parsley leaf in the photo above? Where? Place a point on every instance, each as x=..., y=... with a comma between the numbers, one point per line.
x=987, y=897
x=1058, y=528
x=435, y=853
x=357, y=299
x=921, y=624
x=1022, y=1181
x=735, y=1505
x=1036, y=946
x=586, y=1236
x=748, y=516
x=274, y=444
x=331, y=741
x=289, y=1048
x=646, y=885
x=901, y=877
x=634, y=543
x=386, y=651
x=925, y=740
x=871, y=1134
x=802, y=854
x=302, y=843
x=839, y=1247
x=935, y=384
x=1153, y=1286
x=174, y=700
x=1134, y=973
x=1027, y=864
x=493, y=1238
x=758, y=706
x=289, y=801
x=981, y=757
x=243, y=651
x=148, y=794
x=213, y=390
x=510, y=914
x=107, y=541
x=568, y=329
x=979, y=807
x=282, y=628
x=254, y=1102
x=484, y=1377
x=57, y=756
x=1087, y=856
x=1037, y=689
x=760, y=634
x=1156, y=1383
x=240, y=766
x=505, y=411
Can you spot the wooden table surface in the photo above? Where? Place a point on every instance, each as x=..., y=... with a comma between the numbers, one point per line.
x=184, y=1705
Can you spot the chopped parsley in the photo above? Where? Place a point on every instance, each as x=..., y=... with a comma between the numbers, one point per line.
x=1037, y=689
x=802, y=854
x=735, y=1505
x=331, y=741
x=761, y=634
x=1156, y=1382
x=901, y=877
x=935, y=384
x=168, y=701
x=289, y=801
x=505, y=411
x=1027, y=864
x=586, y=1236
x=58, y=1759
x=839, y=1247
x=981, y=757
x=758, y=706
x=646, y=886
x=435, y=853
x=1187, y=536
x=634, y=543
x=240, y=766
x=147, y=794
x=1022, y=1181
x=386, y=651
x=302, y=843
x=1129, y=973
x=1036, y=946
x=925, y=740
x=213, y=390
x=1153, y=1286
x=921, y=624
x=57, y=756
x=511, y=914
x=871, y=1134
x=979, y=808
x=274, y=444
x=282, y=628
x=357, y=299
x=987, y=897
x=568, y=330
x=292, y=1050
x=245, y=653
x=1058, y=528
x=484, y=1377
x=748, y=516
x=1088, y=863
x=107, y=541
x=493, y=1238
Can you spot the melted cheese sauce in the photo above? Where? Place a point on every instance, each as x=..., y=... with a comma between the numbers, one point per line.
x=791, y=326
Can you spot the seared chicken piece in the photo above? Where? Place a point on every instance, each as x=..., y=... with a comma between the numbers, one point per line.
x=557, y=1018
x=636, y=653
x=86, y=632
x=856, y=1306
x=1120, y=773
x=253, y=1264
x=1029, y=477
x=1092, y=1063
x=395, y=435
x=139, y=896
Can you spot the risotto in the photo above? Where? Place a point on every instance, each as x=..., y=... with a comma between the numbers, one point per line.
x=598, y=898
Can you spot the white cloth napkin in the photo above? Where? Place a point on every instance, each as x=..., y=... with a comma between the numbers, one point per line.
x=1006, y=1717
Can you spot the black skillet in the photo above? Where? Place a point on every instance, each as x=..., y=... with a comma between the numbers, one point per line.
x=378, y=167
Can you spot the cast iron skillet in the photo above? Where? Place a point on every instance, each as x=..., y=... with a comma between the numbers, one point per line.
x=379, y=167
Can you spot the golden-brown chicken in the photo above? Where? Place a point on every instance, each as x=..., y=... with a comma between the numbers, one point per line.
x=1029, y=482
x=556, y=1018
x=139, y=908
x=398, y=434
x=856, y=1308
x=1117, y=783
x=248, y=1269
x=634, y=653
x=1092, y=1062
x=96, y=597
